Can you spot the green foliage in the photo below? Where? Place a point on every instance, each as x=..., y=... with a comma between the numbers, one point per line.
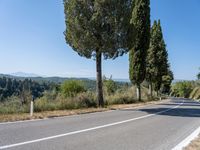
x=182, y=89
x=81, y=100
x=71, y=88
x=13, y=105
x=137, y=55
x=166, y=82
x=97, y=25
x=110, y=86
x=158, y=70
x=21, y=88
x=96, y=28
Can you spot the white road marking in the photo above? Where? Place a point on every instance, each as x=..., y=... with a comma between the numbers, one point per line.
x=187, y=140
x=86, y=130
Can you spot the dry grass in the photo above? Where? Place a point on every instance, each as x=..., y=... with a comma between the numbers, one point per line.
x=60, y=113
x=194, y=145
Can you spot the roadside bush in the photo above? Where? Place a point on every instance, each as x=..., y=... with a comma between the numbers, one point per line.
x=182, y=89
x=71, y=88
x=13, y=105
x=109, y=86
x=81, y=100
x=123, y=96
x=44, y=104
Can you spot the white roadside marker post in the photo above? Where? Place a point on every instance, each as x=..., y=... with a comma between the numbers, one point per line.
x=32, y=107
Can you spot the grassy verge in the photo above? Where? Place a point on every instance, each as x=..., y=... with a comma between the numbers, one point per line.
x=60, y=113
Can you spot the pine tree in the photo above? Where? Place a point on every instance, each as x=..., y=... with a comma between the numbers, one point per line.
x=96, y=28
x=137, y=55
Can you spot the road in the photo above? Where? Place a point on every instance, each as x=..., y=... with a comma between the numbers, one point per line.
x=152, y=127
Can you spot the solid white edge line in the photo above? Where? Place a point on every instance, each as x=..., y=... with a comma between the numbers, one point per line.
x=187, y=140
x=85, y=130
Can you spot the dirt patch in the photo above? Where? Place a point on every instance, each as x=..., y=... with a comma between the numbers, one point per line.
x=194, y=145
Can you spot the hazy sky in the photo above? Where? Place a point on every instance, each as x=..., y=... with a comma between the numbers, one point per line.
x=32, y=40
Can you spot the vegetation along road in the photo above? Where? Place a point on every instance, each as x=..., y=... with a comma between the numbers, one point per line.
x=156, y=127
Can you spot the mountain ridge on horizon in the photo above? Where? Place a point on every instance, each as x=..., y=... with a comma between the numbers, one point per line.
x=24, y=75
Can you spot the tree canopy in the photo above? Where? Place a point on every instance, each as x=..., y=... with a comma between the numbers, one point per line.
x=98, y=27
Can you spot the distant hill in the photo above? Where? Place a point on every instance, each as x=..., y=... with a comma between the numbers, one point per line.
x=35, y=77
x=23, y=74
x=178, y=80
x=40, y=79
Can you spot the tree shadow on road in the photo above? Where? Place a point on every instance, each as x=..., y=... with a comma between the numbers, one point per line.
x=181, y=112
x=185, y=104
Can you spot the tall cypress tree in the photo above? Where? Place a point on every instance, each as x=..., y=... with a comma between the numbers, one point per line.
x=96, y=29
x=158, y=68
x=162, y=59
x=137, y=55
x=151, y=66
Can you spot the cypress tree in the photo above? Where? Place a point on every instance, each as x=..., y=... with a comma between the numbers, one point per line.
x=137, y=55
x=158, y=68
x=162, y=59
x=96, y=29
x=151, y=69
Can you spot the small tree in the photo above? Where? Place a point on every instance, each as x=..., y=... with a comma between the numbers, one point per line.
x=98, y=28
x=71, y=88
x=137, y=55
x=182, y=89
x=110, y=85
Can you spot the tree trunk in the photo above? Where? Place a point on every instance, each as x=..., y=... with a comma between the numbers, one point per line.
x=150, y=90
x=157, y=93
x=99, y=80
x=138, y=91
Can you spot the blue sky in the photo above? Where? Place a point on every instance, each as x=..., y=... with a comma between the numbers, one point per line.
x=32, y=40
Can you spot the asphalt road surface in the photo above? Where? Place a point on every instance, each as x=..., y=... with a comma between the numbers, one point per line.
x=152, y=127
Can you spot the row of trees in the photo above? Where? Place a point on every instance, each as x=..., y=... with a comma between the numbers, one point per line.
x=110, y=28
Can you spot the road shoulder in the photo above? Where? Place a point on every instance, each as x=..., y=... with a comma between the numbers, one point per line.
x=62, y=113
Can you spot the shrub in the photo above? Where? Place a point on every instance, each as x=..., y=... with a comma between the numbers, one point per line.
x=13, y=105
x=182, y=89
x=71, y=88
x=109, y=86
